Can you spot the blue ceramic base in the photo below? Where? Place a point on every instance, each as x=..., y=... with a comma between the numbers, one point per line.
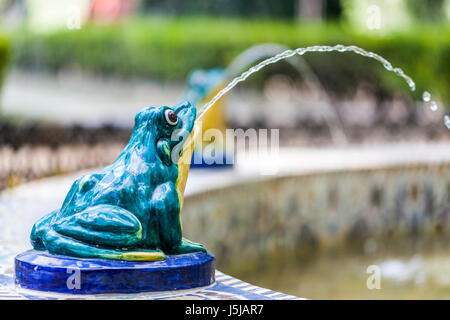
x=39, y=270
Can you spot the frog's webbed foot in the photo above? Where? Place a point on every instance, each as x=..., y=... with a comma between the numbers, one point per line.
x=187, y=246
x=101, y=231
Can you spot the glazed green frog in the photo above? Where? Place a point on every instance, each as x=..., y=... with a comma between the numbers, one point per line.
x=130, y=210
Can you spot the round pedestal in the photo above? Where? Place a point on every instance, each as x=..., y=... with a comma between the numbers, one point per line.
x=39, y=270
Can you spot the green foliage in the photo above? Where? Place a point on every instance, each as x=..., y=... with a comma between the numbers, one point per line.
x=431, y=10
x=4, y=50
x=169, y=48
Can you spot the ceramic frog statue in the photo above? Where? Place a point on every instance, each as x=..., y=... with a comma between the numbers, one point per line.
x=130, y=210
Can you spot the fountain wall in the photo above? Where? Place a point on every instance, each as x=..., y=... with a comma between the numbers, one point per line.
x=251, y=221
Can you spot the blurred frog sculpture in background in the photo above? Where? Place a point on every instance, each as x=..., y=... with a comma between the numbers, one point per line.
x=131, y=209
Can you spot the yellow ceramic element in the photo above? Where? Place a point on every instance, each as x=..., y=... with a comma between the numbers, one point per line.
x=183, y=166
x=138, y=256
x=215, y=117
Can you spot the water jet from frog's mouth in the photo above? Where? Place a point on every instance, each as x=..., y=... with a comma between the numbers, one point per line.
x=301, y=51
x=188, y=146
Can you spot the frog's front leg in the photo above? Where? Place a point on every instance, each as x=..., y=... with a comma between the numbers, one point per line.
x=188, y=246
x=166, y=206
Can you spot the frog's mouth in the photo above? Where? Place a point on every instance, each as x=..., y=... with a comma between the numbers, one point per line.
x=187, y=114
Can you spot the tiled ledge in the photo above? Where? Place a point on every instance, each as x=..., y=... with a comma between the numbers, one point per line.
x=225, y=288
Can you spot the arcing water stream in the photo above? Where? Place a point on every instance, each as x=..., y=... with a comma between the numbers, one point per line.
x=301, y=51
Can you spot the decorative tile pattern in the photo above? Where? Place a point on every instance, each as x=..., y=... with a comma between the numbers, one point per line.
x=225, y=288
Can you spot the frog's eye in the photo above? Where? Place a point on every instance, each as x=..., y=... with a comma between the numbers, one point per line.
x=171, y=117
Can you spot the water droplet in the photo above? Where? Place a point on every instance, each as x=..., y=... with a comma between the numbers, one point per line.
x=433, y=106
x=426, y=96
x=447, y=121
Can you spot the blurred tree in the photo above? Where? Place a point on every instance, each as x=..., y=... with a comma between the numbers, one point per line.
x=263, y=8
x=310, y=9
x=333, y=9
x=431, y=10
x=273, y=8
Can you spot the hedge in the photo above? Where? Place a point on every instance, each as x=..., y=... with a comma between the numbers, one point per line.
x=169, y=48
x=4, y=50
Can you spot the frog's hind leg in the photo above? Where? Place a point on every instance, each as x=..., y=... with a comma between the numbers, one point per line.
x=57, y=243
x=102, y=231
